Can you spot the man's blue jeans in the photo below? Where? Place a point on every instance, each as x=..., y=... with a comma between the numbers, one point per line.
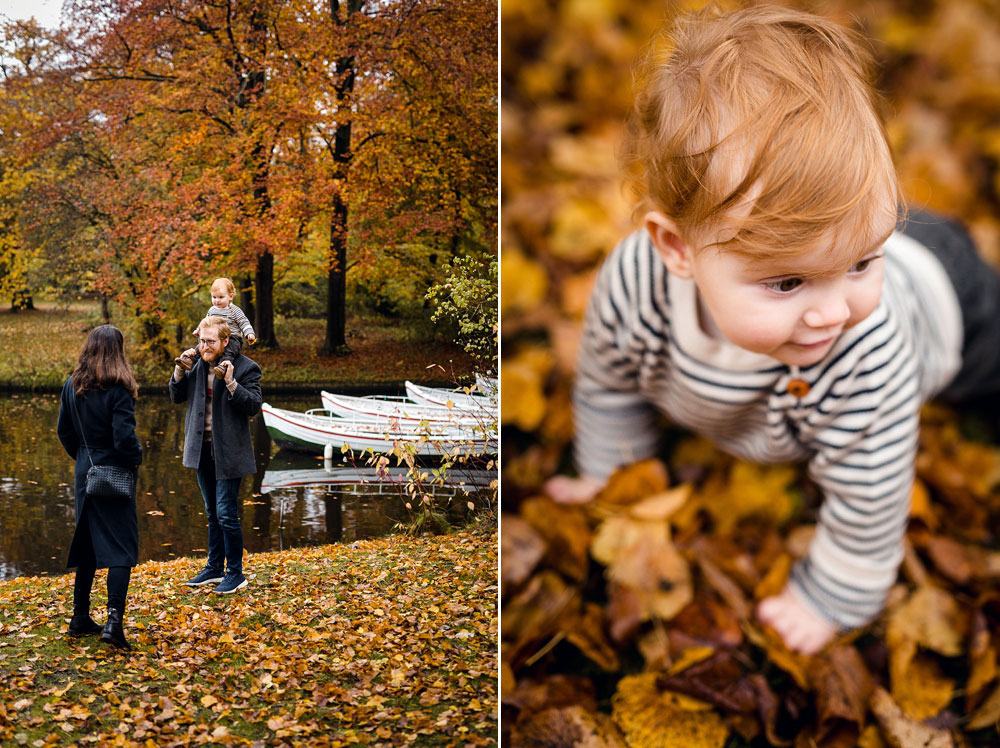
x=225, y=534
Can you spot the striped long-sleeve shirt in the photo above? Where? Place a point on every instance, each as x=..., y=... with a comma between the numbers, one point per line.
x=643, y=351
x=238, y=322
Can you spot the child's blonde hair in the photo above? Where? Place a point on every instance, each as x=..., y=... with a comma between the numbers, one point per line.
x=225, y=283
x=767, y=112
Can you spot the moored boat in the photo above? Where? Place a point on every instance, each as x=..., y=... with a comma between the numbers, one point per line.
x=487, y=385
x=377, y=408
x=367, y=475
x=314, y=430
x=442, y=397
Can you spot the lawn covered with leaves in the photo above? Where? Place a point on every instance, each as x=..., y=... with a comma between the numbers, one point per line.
x=382, y=642
x=42, y=346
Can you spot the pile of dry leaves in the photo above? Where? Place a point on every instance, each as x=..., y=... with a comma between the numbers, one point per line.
x=629, y=621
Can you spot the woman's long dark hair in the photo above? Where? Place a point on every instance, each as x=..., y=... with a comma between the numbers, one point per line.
x=102, y=362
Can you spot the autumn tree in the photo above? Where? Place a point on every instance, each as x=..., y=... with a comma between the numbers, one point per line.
x=174, y=140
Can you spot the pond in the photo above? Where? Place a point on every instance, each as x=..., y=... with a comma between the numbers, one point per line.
x=293, y=500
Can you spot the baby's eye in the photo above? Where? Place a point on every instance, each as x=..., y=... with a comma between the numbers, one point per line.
x=785, y=285
x=862, y=265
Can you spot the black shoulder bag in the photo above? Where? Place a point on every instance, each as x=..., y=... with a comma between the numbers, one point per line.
x=108, y=482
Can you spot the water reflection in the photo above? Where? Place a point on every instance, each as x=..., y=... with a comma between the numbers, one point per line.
x=293, y=500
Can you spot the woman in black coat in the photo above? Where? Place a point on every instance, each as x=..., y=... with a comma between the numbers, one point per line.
x=99, y=398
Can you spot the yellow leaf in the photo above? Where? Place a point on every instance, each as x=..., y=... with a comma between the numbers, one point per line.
x=988, y=712
x=523, y=403
x=650, y=717
x=207, y=701
x=689, y=657
x=920, y=505
x=930, y=618
x=923, y=691
x=524, y=284
x=749, y=490
x=662, y=505
x=227, y=638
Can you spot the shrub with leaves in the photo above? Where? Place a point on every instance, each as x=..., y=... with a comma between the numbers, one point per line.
x=468, y=299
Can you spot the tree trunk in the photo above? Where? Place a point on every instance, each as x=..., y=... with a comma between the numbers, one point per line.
x=254, y=87
x=336, y=294
x=264, y=324
x=335, y=342
x=246, y=299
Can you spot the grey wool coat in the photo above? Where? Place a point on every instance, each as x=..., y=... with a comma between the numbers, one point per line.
x=107, y=533
x=231, y=441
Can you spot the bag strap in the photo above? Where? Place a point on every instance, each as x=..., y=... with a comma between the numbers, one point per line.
x=79, y=428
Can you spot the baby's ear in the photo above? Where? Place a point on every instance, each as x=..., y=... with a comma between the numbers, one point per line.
x=669, y=242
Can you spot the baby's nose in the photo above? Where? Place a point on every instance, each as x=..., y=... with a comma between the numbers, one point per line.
x=830, y=311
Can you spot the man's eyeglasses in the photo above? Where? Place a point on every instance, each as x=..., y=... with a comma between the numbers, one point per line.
x=205, y=341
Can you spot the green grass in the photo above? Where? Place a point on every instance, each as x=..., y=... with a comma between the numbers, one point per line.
x=375, y=642
x=41, y=348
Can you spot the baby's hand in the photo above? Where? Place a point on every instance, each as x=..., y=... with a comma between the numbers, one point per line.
x=801, y=628
x=195, y=333
x=566, y=490
x=251, y=339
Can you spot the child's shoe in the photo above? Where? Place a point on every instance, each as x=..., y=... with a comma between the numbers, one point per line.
x=219, y=372
x=183, y=363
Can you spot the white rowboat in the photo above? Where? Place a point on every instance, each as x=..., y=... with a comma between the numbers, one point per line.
x=406, y=412
x=313, y=430
x=441, y=397
x=389, y=477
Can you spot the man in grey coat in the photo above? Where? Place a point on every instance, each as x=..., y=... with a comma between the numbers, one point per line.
x=217, y=444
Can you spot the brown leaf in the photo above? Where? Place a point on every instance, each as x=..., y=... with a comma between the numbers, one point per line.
x=954, y=560
x=586, y=632
x=553, y=691
x=624, y=612
x=843, y=686
x=566, y=532
x=719, y=680
x=899, y=730
x=768, y=709
x=564, y=727
x=521, y=548
x=726, y=588
x=793, y=663
x=536, y=611
x=706, y=621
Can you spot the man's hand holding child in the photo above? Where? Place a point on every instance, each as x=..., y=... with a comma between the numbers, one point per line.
x=227, y=367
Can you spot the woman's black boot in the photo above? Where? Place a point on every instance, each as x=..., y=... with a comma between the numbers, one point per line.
x=113, y=632
x=83, y=625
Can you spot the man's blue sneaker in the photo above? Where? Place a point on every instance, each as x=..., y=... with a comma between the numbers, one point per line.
x=206, y=576
x=231, y=583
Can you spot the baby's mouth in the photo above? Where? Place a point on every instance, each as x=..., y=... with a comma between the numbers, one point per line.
x=818, y=343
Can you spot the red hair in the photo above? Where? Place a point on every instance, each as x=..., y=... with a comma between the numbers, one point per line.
x=763, y=121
